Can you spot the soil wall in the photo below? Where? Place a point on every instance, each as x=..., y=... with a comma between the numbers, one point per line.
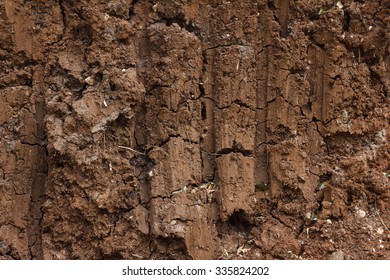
x=188, y=129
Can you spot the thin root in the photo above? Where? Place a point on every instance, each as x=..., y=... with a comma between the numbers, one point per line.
x=380, y=218
x=383, y=223
x=130, y=149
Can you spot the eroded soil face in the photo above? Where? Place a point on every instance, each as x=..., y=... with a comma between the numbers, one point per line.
x=194, y=129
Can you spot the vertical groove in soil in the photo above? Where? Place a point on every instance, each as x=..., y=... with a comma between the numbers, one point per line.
x=34, y=228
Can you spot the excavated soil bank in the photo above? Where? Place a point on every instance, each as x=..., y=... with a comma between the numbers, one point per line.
x=194, y=129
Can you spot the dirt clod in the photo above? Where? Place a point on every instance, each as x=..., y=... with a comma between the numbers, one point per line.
x=194, y=129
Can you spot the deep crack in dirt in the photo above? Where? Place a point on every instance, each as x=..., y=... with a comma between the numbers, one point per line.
x=194, y=129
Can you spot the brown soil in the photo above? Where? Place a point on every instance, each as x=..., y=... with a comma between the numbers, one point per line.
x=194, y=129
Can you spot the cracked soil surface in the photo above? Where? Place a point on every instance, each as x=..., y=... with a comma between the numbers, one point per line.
x=189, y=129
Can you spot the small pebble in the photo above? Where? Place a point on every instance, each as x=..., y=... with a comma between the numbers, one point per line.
x=361, y=213
x=89, y=81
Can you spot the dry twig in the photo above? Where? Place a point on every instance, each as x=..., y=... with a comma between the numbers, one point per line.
x=130, y=149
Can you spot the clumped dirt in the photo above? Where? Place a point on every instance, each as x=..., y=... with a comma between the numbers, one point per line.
x=194, y=129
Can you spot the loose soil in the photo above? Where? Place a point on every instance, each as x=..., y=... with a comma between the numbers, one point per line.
x=188, y=129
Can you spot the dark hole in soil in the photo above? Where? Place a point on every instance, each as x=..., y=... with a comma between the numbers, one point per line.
x=201, y=90
x=239, y=221
x=347, y=19
x=349, y=199
x=325, y=177
x=99, y=77
x=74, y=84
x=123, y=41
x=85, y=33
x=58, y=164
x=314, y=16
x=141, y=161
x=131, y=9
x=121, y=121
x=112, y=86
x=375, y=78
x=271, y=5
x=203, y=112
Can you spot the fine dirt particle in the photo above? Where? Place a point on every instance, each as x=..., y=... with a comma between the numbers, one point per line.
x=194, y=129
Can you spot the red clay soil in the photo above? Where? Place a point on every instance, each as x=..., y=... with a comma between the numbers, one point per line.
x=189, y=129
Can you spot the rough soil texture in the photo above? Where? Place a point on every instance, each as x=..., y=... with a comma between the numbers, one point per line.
x=194, y=129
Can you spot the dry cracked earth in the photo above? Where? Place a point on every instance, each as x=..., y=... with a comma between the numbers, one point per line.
x=189, y=129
